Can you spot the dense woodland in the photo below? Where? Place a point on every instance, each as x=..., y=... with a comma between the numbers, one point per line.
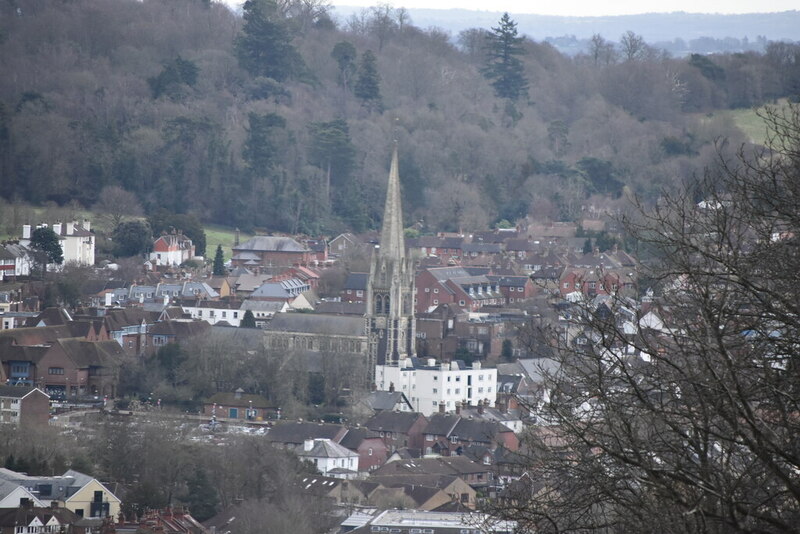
x=283, y=119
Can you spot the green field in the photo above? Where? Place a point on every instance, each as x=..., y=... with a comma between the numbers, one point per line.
x=221, y=235
x=748, y=121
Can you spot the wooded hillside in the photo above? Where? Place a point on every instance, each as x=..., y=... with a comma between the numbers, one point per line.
x=284, y=120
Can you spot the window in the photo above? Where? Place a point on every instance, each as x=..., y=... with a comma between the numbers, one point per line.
x=55, y=371
x=458, y=390
x=453, y=439
x=359, y=293
x=435, y=289
x=224, y=315
x=566, y=285
x=435, y=301
x=369, y=451
x=592, y=285
x=461, y=303
x=449, y=378
x=349, y=291
x=489, y=389
x=427, y=290
x=235, y=315
x=513, y=289
x=520, y=289
x=435, y=391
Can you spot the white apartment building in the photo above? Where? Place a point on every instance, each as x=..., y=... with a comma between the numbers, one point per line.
x=77, y=241
x=427, y=383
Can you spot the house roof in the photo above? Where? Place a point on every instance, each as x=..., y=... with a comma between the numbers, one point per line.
x=179, y=329
x=92, y=353
x=443, y=465
x=386, y=400
x=326, y=448
x=18, y=392
x=313, y=323
x=387, y=421
x=355, y=436
x=441, y=424
x=298, y=432
x=230, y=399
x=357, y=281
x=263, y=243
x=341, y=308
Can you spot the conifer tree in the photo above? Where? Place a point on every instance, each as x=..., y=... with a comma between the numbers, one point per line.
x=248, y=320
x=219, y=262
x=367, y=87
x=504, y=68
x=264, y=48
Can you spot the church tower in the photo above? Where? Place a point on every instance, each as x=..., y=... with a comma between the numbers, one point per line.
x=390, y=323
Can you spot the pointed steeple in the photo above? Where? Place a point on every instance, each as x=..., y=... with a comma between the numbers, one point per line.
x=392, y=243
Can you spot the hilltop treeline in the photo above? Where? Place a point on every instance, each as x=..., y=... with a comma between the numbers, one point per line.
x=284, y=119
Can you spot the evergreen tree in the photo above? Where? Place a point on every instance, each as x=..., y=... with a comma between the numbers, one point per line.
x=201, y=496
x=219, y=262
x=504, y=68
x=345, y=55
x=264, y=48
x=46, y=247
x=368, y=82
x=248, y=320
x=131, y=238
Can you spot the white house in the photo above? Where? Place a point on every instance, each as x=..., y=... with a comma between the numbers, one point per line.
x=172, y=249
x=12, y=493
x=427, y=383
x=15, y=260
x=77, y=240
x=330, y=458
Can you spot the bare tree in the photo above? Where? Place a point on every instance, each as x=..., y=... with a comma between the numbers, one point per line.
x=683, y=417
x=633, y=46
x=115, y=203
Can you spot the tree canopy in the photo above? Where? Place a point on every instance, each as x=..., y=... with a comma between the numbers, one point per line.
x=503, y=68
x=45, y=241
x=265, y=47
x=683, y=417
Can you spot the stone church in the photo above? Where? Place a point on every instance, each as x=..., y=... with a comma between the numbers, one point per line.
x=386, y=333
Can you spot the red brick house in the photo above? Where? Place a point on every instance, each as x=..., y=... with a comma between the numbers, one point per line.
x=450, y=434
x=270, y=251
x=172, y=249
x=398, y=429
x=370, y=446
x=238, y=405
x=355, y=287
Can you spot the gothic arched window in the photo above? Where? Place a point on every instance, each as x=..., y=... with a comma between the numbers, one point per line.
x=386, y=305
x=378, y=304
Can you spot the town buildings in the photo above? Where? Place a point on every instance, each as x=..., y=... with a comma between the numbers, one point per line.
x=430, y=385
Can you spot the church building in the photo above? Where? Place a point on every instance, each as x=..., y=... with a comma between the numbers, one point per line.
x=390, y=291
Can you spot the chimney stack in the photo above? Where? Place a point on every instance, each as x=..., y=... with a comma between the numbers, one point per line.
x=57, y=228
x=26, y=231
x=308, y=444
x=391, y=387
x=442, y=407
x=481, y=407
x=458, y=408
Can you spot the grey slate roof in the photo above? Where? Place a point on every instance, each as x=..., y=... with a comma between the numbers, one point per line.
x=297, y=432
x=325, y=448
x=400, y=422
x=312, y=323
x=386, y=400
x=356, y=281
x=271, y=243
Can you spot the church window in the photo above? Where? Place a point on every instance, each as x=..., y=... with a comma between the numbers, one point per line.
x=378, y=304
x=386, y=305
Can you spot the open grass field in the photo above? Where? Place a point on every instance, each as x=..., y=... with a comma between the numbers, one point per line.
x=750, y=123
x=221, y=235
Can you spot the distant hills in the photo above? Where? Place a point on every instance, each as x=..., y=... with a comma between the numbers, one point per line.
x=656, y=28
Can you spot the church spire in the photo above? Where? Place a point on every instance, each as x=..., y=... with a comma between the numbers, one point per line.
x=392, y=231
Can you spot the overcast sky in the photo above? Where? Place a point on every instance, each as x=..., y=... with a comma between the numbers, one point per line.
x=585, y=8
